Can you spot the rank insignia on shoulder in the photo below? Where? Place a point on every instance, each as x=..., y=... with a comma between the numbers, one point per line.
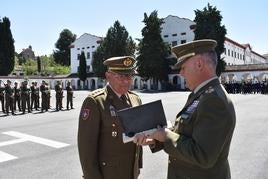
x=85, y=113
x=209, y=90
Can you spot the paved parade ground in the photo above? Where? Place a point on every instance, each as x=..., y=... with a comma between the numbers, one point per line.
x=44, y=145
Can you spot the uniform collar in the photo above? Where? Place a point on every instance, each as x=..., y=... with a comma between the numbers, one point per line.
x=204, y=83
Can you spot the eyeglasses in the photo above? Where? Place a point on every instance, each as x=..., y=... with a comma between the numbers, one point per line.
x=122, y=76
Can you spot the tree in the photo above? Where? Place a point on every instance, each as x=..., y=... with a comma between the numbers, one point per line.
x=116, y=43
x=152, y=62
x=82, y=70
x=208, y=26
x=7, y=49
x=62, y=54
x=38, y=64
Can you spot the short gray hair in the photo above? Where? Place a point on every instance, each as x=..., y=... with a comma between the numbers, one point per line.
x=211, y=58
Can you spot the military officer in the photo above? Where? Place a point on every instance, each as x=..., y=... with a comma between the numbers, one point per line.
x=103, y=155
x=69, y=90
x=2, y=96
x=16, y=90
x=9, y=96
x=198, y=144
x=59, y=96
x=25, y=96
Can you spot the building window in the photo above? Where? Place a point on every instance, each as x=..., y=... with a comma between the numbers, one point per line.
x=174, y=35
x=183, y=41
x=232, y=53
x=165, y=36
x=174, y=43
x=87, y=47
x=225, y=51
x=78, y=48
x=235, y=54
x=83, y=48
x=228, y=52
x=88, y=55
x=93, y=46
x=78, y=56
x=183, y=33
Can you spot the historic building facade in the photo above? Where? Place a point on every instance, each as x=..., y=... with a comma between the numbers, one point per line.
x=88, y=44
x=175, y=31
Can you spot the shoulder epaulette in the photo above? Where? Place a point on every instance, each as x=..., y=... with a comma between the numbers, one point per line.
x=96, y=92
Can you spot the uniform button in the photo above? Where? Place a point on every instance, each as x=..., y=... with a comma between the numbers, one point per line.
x=113, y=124
x=114, y=133
x=103, y=163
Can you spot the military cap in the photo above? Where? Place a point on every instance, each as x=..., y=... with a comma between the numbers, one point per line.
x=190, y=49
x=122, y=65
x=8, y=81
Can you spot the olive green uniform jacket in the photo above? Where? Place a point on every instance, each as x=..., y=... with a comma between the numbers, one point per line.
x=198, y=147
x=103, y=155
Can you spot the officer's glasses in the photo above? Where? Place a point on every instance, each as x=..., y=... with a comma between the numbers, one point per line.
x=122, y=76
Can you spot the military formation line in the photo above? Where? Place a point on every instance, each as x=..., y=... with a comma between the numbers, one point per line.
x=25, y=98
x=247, y=87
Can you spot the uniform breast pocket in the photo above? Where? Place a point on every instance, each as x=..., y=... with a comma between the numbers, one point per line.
x=186, y=126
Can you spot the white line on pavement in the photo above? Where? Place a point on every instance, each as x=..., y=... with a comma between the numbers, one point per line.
x=5, y=157
x=38, y=140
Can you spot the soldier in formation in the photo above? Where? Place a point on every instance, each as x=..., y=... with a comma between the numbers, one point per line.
x=69, y=90
x=9, y=97
x=17, y=100
x=25, y=97
x=59, y=96
x=2, y=97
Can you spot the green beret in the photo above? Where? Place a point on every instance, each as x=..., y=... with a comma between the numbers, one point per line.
x=190, y=49
x=123, y=65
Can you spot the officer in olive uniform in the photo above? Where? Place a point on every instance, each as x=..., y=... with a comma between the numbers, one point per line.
x=69, y=90
x=103, y=155
x=16, y=90
x=59, y=96
x=198, y=144
x=2, y=96
x=9, y=96
x=25, y=97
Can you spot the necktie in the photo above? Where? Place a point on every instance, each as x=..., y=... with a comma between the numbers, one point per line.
x=124, y=100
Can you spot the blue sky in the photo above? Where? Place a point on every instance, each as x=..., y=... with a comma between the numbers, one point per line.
x=39, y=22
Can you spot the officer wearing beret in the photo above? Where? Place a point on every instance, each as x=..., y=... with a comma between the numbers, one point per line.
x=198, y=144
x=103, y=155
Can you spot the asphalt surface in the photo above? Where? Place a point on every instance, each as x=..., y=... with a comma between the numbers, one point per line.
x=44, y=145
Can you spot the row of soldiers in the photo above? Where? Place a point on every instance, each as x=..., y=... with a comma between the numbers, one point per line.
x=28, y=98
x=247, y=87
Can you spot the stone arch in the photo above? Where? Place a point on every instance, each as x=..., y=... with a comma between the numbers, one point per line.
x=135, y=83
x=263, y=76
